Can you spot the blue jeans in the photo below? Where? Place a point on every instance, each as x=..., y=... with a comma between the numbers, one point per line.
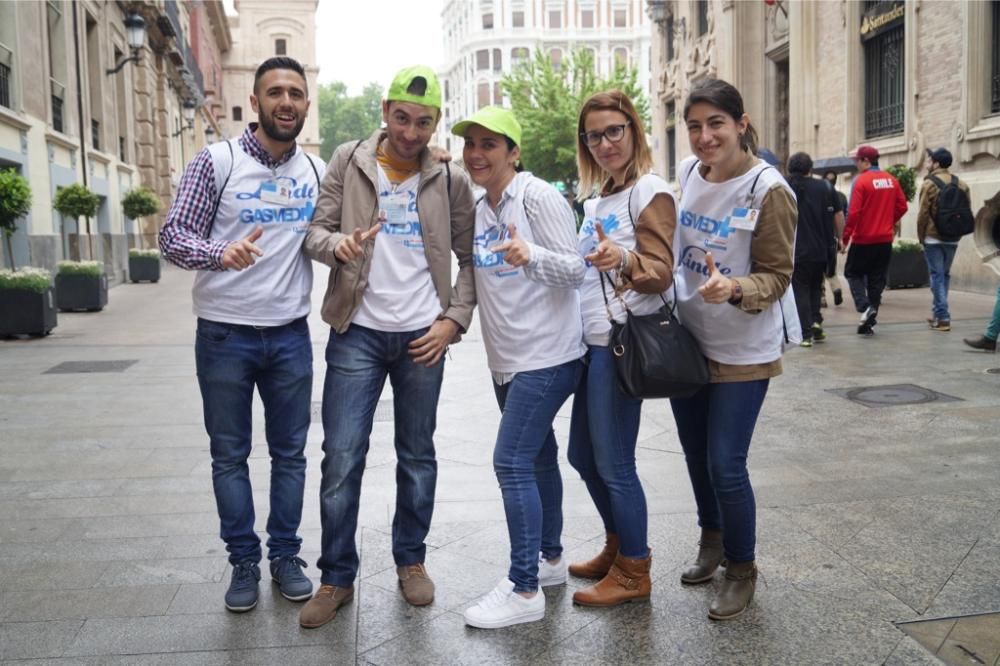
x=231, y=359
x=357, y=364
x=715, y=427
x=526, y=464
x=602, y=438
x=939, y=257
x=993, y=328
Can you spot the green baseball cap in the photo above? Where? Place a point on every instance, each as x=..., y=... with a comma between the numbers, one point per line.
x=495, y=119
x=404, y=79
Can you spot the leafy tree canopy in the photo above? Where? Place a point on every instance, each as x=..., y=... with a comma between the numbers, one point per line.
x=343, y=118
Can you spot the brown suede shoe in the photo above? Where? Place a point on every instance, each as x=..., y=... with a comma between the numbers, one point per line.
x=416, y=586
x=628, y=580
x=323, y=607
x=708, y=560
x=736, y=592
x=599, y=565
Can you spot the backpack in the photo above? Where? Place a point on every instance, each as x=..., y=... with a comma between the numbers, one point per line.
x=954, y=217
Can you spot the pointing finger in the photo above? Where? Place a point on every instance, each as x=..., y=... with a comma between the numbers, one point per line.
x=371, y=232
x=710, y=263
x=512, y=232
x=600, y=231
x=257, y=232
x=502, y=247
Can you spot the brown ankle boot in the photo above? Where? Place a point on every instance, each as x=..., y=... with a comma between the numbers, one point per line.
x=599, y=566
x=708, y=560
x=628, y=580
x=736, y=591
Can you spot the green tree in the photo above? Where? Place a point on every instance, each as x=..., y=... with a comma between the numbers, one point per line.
x=140, y=202
x=547, y=104
x=343, y=118
x=77, y=201
x=15, y=202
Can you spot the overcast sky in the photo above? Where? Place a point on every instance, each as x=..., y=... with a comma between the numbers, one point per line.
x=360, y=41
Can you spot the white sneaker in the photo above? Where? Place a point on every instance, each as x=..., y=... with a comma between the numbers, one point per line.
x=551, y=574
x=503, y=607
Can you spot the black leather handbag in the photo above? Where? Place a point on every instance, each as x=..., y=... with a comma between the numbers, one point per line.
x=654, y=356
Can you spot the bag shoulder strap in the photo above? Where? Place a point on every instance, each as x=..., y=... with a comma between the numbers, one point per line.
x=938, y=182
x=312, y=163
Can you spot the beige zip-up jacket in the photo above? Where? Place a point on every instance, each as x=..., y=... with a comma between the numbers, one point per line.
x=348, y=200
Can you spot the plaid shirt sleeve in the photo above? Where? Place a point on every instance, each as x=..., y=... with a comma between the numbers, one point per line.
x=184, y=238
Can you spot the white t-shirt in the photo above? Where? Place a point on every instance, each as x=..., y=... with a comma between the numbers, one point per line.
x=526, y=323
x=617, y=216
x=400, y=294
x=706, y=223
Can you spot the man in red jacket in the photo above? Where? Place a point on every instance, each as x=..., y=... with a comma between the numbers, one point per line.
x=877, y=204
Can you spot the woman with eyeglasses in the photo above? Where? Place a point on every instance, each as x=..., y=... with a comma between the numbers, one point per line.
x=626, y=238
x=734, y=264
x=527, y=272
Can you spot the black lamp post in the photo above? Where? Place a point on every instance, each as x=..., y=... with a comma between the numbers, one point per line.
x=135, y=35
x=188, y=111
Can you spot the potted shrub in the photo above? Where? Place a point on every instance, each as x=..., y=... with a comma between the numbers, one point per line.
x=81, y=285
x=907, y=178
x=77, y=201
x=27, y=304
x=907, y=267
x=144, y=265
x=15, y=202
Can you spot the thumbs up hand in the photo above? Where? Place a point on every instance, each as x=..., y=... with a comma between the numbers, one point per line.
x=351, y=247
x=515, y=250
x=239, y=254
x=718, y=288
x=608, y=256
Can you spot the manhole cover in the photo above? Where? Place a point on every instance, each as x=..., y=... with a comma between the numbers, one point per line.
x=383, y=411
x=74, y=367
x=893, y=395
x=993, y=371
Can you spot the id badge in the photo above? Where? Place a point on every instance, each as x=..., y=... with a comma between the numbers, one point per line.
x=275, y=193
x=392, y=208
x=744, y=218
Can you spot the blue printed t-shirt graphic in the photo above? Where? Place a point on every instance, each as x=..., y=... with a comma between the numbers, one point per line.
x=716, y=231
x=269, y=213
x=485, y=256
x=588, y=233
x=406, y=232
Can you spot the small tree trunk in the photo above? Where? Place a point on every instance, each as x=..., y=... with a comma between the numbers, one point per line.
x=140, y=241
x=90, y=241
x=10, y=251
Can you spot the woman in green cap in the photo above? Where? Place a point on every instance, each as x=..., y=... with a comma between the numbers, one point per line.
x=527, y=271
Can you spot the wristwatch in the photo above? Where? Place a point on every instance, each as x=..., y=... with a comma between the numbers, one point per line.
x=736, y=295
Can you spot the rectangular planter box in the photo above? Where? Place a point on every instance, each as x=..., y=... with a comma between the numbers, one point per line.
x=81, y=292
x=907, y=269
x=27, y=312
x=143, y=270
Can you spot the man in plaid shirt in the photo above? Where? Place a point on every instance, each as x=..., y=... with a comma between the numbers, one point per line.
x=239, y=219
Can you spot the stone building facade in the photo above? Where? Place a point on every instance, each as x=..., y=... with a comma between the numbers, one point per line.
x=66, y=117
x=263, y=29
x=485, y=39
x=825, y=77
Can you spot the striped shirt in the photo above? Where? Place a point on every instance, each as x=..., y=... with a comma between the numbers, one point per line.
x=184, y=239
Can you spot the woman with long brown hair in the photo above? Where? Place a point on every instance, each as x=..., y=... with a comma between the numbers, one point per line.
x=626, y=238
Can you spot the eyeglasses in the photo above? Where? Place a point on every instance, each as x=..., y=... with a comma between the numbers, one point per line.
x=612, y=133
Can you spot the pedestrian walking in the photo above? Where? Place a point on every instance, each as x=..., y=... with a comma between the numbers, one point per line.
x=838, y=230
x=387, y=216
x=527, y=272
x=734, y=263
x=814, y=243
x=627, y=240
x=940, y=193
x=251, y=298
x=876, y=206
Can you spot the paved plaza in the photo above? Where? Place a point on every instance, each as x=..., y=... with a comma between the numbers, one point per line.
x=870, y=516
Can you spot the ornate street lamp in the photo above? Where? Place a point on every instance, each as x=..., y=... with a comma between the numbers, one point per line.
x=188, y=112
x=135, y=35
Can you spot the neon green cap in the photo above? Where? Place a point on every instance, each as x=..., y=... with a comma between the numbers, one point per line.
x=495, y=119
x=405, y=77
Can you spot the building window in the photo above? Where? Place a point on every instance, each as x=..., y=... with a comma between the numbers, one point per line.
x=671, y=124
x=517, y=19
x=702, y=7
x=57, y=61
x=497, y=60
x=488, y=21
x=621, y=57
x=497, y=94
x=280, y=47
x=121, y=149
x=57, y=113
x=447, y=90
x=482, y=60
x=884, y=70
x=7, y=36
x=555, y=19
x=5, y=79
x=519, y=54
x=238, y=113
x=586, y=18
x=556, y=56
x=995, y=79
x=482, y=95
x=95, y=134
x=621, y=18
x=670, y=38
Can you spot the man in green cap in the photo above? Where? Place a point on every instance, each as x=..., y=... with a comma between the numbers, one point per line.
x=388, y=212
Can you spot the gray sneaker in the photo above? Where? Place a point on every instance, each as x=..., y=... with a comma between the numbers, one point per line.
x=242, y=593
x=292, y=583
